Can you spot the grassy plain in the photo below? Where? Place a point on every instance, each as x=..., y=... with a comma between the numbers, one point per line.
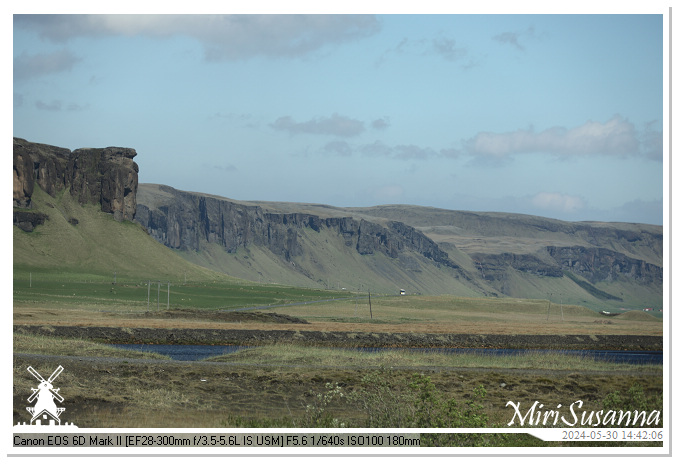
x=283, y=384
x=91, y=300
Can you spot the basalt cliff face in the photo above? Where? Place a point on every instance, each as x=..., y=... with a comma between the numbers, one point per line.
x=489, y=254
x=104, y=176
x=184, y=220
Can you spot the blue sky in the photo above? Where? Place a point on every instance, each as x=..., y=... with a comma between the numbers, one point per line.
x=554, y=115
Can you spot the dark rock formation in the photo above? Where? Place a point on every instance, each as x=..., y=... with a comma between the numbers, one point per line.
x=493, y=267
x=593, y=263
x=601, y=264
x=189, y=218
x=28, y=220
x=105, y=176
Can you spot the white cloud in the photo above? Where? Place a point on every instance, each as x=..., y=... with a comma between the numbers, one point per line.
x=336, y=124
x=616, y=137
x=225, y=37
x=558, y=202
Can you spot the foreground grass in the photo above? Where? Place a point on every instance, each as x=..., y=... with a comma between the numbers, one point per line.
x=219, y=395
x=291, y=355
x=326, y=388
x=37, y=344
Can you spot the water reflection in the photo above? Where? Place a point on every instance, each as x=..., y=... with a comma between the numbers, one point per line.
x=199, y=352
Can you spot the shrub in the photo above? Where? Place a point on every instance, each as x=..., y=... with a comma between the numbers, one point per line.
x=388, y=400
x=635, y=399
x=316, y=413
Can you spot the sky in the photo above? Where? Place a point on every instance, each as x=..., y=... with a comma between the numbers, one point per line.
x=556, y=115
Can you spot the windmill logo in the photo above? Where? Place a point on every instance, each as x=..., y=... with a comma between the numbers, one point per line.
x=45, y=408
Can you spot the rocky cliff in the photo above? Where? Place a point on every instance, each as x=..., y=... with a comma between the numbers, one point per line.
x=104, y=176
x=594, y=264
x=184, y=220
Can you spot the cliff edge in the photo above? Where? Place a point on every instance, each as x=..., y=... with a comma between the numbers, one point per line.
x=104, y=176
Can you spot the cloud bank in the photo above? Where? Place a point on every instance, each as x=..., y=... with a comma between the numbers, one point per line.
x=617, y=137
x=224, y=37
x=336, y=124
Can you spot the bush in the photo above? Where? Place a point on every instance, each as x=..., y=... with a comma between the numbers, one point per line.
x=634, y=400
x=316, y=413
x=390, y=401
x=434, y=411
x=385, y=400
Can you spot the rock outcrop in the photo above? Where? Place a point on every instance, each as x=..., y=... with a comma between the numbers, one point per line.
x=601, y=264
x=105, y=176
x=188, y=219
x=494, y=267
x=28, y=220
x=592, y=263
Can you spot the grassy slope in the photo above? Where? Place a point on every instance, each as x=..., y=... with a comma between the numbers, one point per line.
x=328, y=263
x=97, y=245
x=61, y=265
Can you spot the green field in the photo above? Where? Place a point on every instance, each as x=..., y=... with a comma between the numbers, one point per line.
x=93, y=291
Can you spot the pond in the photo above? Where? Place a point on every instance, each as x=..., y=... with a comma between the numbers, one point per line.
x=199, y=352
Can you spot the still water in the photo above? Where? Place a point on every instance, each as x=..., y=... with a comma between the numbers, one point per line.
x=198, y=352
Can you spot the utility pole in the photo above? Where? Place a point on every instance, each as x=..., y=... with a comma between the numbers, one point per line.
x=168, y=296
x=158, y=299
x=370, y=305
x=148, y=297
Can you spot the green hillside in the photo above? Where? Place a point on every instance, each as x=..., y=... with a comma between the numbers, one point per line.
x=82, y=258
x=328, y=264
x=81, y=243
x=80, y=240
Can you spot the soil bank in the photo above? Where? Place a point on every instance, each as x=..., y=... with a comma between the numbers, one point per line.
x=345, y=339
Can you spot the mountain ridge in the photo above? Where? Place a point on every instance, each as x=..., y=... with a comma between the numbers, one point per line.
x=486, y=251
x=381, y=248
